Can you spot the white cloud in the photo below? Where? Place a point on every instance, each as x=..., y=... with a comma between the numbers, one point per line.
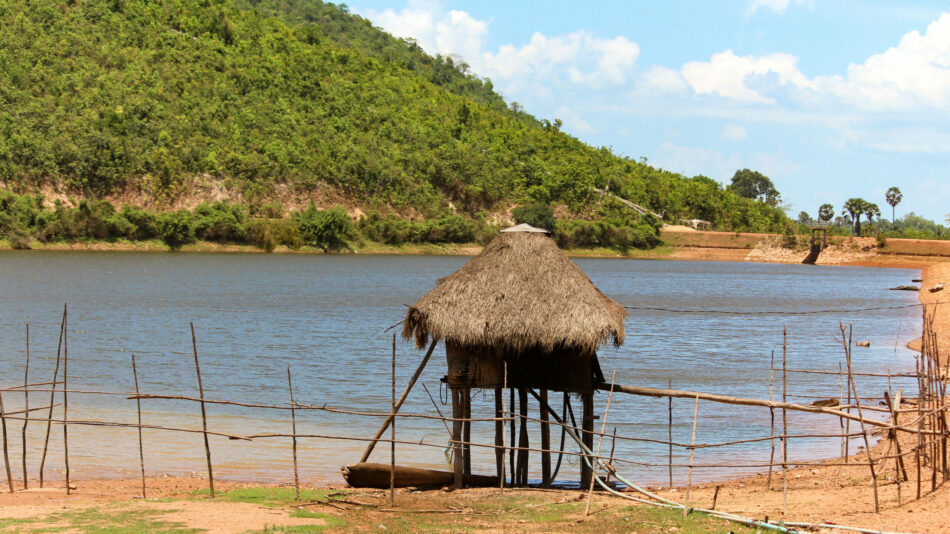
x=436, y=31
x=729, y=75
x=915, y=74
x=577, y=58
x=664, y=79
x=734, y=132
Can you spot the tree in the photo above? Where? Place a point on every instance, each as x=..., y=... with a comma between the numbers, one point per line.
x=893, y=197
x=755, y=185
x=537, y=214
x=327, y=229
x=177, y=229
x=826, y=212
x=804, y=218
x=854, y=208
x=871, y=210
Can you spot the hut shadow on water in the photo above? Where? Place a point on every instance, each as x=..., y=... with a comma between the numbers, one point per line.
x=520, y=317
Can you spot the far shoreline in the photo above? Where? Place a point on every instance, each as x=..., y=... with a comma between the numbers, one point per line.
x=899, y=260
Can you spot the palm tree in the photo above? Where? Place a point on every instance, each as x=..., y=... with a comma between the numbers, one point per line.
x=854, y=207
x=893, y=197
x=826, y=212
x=871, y=210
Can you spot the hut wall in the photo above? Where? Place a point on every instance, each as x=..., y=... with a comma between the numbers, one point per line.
x=485, y=368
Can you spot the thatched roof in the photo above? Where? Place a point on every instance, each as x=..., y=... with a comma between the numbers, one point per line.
x=521, y=293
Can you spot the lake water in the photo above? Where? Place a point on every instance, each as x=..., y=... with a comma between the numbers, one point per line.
x=325, y=317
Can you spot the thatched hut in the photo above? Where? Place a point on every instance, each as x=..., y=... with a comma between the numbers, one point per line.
x=520, y=315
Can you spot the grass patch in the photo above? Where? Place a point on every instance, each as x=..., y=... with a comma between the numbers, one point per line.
x=266, y=496
x=9, y=522
x=106, y=521
x=513, y=513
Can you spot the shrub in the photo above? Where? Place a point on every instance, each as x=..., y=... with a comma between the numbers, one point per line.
x=328, y=229
x=221, y=222
x=141, y=224
x=537, y=214
x=177, y=229
x=267, y=234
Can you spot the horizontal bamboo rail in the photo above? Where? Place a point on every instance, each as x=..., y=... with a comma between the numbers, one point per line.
x=726, y=399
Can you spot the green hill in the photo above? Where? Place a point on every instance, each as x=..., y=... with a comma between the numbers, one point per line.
x=282, y=95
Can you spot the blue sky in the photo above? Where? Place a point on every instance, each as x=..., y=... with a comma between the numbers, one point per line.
x=832, y=100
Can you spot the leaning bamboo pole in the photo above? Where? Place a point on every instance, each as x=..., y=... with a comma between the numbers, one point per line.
x=52, y=395
x=402, y=399
x=542, y=400
x=204, y=415
x=846, y=341
x=138, y=409
x=293, y=429
x=392, y=435
x=66, y=395
x=726, y=399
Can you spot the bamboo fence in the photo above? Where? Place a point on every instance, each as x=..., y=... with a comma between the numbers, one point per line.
x=922, y=416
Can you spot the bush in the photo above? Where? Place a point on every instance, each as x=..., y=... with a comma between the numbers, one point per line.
x=579, y=233
x=141, y=224
x=177, y=229
x=394, y=230
x=328, y=229
x=537, y=214
x=267, y=234
x=221, y=221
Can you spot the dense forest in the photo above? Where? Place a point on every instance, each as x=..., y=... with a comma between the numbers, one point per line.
x=103, y=96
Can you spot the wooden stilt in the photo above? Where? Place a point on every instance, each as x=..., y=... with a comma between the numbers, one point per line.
x=500, y=427
x=587, y=436
x=920, y=423
x=26, y=408
x=402, y=399
x=545, y=441
x=457, y=455
x=138, y=411
x=204, y=415
x=512, y=440
x=523, y=437
x=392, y=435
x=467, y=428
